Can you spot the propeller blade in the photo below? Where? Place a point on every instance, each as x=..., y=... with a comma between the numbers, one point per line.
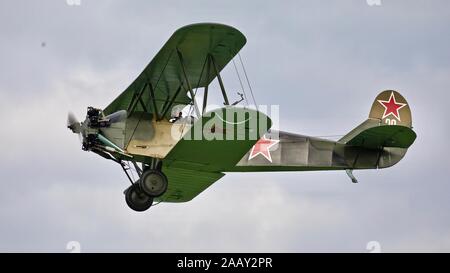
x=73, y=124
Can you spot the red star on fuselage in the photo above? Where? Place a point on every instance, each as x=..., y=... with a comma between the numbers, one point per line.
x=262, y=147
x=391, y=107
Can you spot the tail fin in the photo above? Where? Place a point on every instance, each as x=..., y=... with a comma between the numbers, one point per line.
x=388, y=129
x=391, y=108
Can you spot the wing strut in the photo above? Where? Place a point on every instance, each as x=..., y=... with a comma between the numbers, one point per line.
x=170, y=103
x=152, y=93
x=187, y=83
x=137, y=99
x=205, y=95
x=220, y=80
x=205, y=99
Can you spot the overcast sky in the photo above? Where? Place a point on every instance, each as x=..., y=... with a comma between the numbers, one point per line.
x=323, y=62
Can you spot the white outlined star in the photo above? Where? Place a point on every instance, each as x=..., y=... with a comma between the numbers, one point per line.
x=391, y=107
x=262, y=147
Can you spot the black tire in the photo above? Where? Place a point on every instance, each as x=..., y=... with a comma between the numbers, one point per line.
x=153, y=183
x=137, y=200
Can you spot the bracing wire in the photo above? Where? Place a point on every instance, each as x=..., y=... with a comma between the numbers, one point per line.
x=191, y=107
x=248, y=82
x=240, y=81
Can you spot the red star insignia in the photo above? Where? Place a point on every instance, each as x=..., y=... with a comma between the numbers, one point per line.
x=391, y=107
x=263, y=147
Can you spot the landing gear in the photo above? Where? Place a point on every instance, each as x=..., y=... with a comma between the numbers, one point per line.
x=153, y=183
x=136, y=199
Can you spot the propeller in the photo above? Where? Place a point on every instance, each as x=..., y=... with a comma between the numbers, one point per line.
x=74, y=125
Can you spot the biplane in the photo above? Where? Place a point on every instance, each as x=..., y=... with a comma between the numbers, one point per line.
x=171, y=158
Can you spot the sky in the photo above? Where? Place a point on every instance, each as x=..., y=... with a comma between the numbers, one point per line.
x=323, y=62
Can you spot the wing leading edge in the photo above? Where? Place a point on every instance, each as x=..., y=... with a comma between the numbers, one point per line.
x=186, y=184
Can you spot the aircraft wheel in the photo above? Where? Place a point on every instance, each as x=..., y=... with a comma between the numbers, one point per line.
x=137, y=200
x=153, y=182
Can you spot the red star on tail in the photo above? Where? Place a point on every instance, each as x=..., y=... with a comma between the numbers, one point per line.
x=262, y=147
x=391, y=107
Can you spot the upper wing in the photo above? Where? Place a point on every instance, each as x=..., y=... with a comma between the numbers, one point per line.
x=164, y=75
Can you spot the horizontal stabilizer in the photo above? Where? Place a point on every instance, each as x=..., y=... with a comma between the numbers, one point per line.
x=389, y=124
x=384, y=136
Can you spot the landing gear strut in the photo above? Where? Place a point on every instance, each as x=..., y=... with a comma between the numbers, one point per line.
x=151, y=183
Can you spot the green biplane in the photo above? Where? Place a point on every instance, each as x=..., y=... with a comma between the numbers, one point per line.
x=177, y=157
